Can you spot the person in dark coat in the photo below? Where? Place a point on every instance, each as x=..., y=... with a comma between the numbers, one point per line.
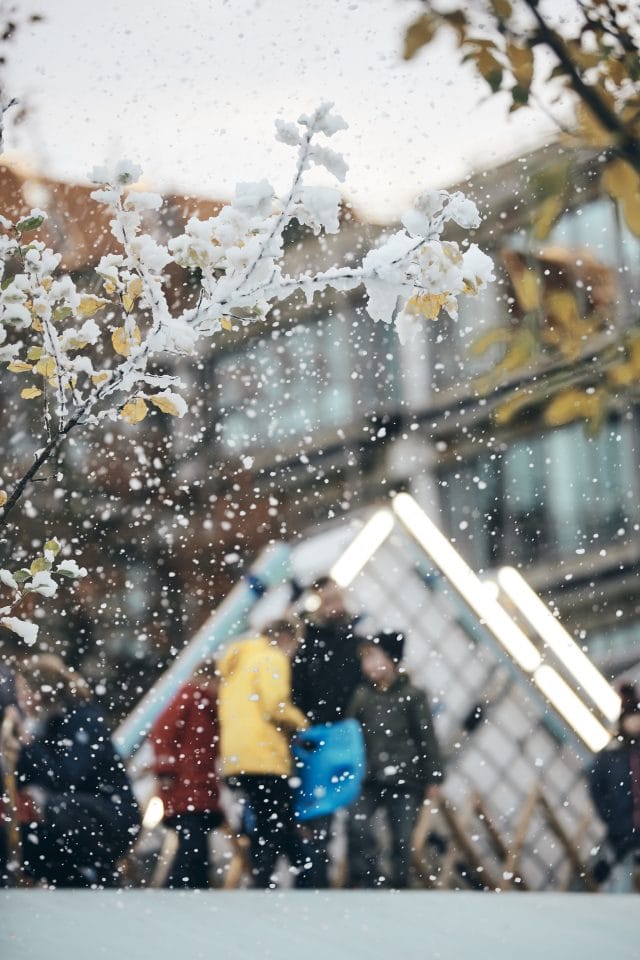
x=326, y=672
x=615, y=789
x=84, y=816
x=185, y=740
x=404, y=766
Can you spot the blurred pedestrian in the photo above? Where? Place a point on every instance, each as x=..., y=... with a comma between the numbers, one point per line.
x=257, y=720
x=615, y=789
x=404, y=766
x=185, y=741
x=84, y=816
x=326, y=672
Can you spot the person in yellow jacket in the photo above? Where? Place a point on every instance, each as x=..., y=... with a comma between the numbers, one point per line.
x=257, y=720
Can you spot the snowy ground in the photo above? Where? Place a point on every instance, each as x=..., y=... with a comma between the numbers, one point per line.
x=162, y=925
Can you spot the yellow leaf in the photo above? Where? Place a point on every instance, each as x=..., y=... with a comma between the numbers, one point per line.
x=40, y=564
x=52, y=546
x=525, y=285
x=37, y=325
x=507, y=410
x=164, y=404
x=109, y=287
x=3, y=497
x=521, y=59
x=34, y=353
x=123, y=342
x=19, y=366
x=75, y=343
x=622, y=182
x=134, y=289
x=29, y=393
x=499, y=335
x=226, y=324
x=427, y=305
x=592, y=130
x=46, y=367
x=546, y=215
x=99, y=378
x=489, y=67
x=90, y=305
x=574, y=404
x=418, y=34
x=134, y=411
x=520, y=351
x=502, y=8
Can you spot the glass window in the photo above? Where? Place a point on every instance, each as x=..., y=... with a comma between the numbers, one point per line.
x=557, y=493
x=294, y=382
x=592, y=227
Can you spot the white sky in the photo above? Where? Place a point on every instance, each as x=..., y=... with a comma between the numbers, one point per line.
x=190, y=88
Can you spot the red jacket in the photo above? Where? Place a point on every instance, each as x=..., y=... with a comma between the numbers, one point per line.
x=185, y=743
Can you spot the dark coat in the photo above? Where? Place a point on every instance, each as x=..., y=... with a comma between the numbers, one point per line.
x=74, y=754
x=90, y=816
x=399, y=734
x=616, y=795
x=326, y=670
x=185, y=740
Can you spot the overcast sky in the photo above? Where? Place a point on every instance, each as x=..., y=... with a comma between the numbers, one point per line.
x=190, y=89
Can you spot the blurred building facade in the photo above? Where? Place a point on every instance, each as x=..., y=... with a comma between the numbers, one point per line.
x=297, y=423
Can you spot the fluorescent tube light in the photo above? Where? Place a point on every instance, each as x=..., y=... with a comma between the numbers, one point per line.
x=447, y=559
x=362, y=548
x=586, y=675
x=571, y=707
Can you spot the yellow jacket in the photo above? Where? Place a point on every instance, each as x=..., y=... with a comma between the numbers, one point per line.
x=255, y=710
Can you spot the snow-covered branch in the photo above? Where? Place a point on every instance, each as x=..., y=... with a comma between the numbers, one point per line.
x=87, y=357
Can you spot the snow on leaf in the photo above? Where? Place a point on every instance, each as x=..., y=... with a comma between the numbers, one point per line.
x=9, y=580
x=134, y=411
x=52, y=546
x=69, y=568
x=35, y=219
x=24, y=628
x=169, y=403
x=43, y=584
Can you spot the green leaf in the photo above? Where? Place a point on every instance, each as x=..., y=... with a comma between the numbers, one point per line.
x=29, y=223
x=61, y=313
x=21, y=575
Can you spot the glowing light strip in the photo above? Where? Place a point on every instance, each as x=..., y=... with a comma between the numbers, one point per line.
x=571, y=707
x=463, y=579
x=586, y=675
x=362, y=548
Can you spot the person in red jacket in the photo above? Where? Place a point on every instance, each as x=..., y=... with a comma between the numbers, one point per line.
x=185, y=740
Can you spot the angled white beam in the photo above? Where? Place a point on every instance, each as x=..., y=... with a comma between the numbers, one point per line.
x=585, y=673
x=362, y=547
x=462, y=578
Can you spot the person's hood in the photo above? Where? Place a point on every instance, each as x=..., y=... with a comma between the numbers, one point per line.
x=239, y=654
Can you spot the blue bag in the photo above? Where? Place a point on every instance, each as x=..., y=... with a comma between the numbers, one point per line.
x=330, y=763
